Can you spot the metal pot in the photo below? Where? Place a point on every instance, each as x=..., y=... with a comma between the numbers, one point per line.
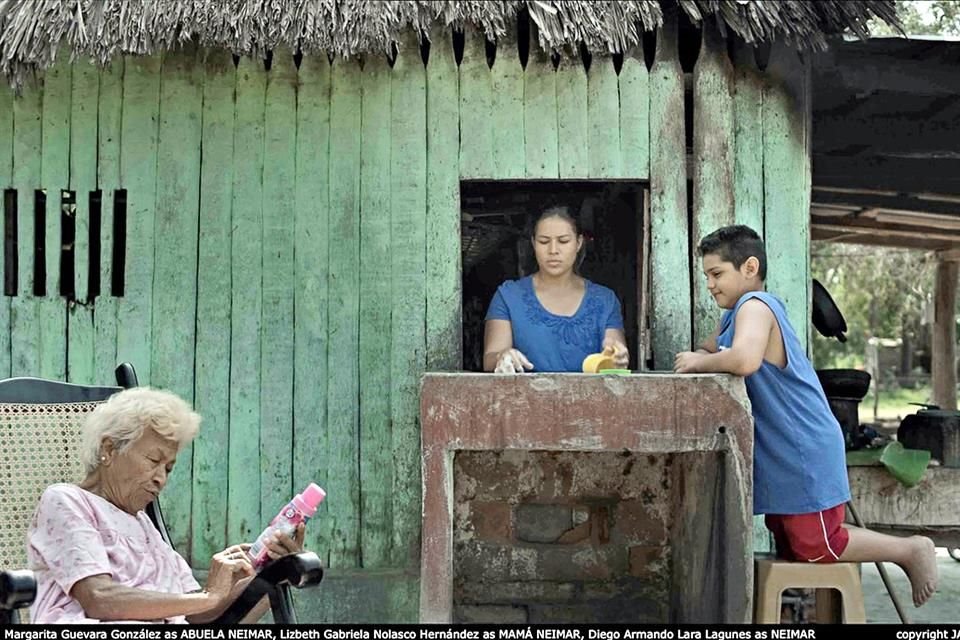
x=933, y=430
x=844, y=383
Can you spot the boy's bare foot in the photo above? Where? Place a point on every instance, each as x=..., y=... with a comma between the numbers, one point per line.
x=921, y=568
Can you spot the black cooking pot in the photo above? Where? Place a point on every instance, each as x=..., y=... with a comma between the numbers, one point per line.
x=935, y=430
x=845, y=389
x=826, y=316
x=844, y=383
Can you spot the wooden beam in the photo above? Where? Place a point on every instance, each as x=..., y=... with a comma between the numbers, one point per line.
x=818, y=189
x=908, y=175
x=818, y=233
x=919, y=195
x=944, y=363
x=865, y=227
x=949, y=255
x=888, y=123
x=889, y=202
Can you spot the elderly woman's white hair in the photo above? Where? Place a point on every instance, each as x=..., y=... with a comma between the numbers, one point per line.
x=124, y=417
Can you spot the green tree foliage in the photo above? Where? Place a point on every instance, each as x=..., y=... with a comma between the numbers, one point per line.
x=881, y=292
x=928, y=17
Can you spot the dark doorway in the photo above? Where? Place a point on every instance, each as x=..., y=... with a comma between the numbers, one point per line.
x=496, y=221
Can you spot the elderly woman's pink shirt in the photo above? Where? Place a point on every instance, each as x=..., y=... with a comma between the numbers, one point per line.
x=76, y=534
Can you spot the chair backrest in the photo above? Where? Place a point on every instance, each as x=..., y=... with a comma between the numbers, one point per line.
x=40, y=428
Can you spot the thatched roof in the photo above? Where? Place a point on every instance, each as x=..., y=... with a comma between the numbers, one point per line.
x=32, y=31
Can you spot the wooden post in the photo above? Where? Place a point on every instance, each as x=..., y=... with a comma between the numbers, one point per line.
x=671, y=319
x=944, y=369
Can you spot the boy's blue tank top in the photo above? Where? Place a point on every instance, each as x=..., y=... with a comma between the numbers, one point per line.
x=799, y=462
x=556, y=343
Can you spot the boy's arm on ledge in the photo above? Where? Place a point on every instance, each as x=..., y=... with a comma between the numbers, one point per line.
x=754, y=322
x=710, y=344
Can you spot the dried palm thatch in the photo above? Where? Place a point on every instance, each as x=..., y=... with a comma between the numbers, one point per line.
x=33, y=31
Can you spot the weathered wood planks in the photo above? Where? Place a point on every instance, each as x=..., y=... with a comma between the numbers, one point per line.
x=408, y=205
x=109, y=124
x=138, y=176
x=83, y=182
x=670, y=247
x=174, y=305
x=6, y=183
x=540, y=127
x=244, y=518
x=444, y=295
x=24, y=314
x=713, y=164
x=312, y=453
x=212, y=358
x=342, y=316
x=376, y=304
x=786, y=183
x=277, y=251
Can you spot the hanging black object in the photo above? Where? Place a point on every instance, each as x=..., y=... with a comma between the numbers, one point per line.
x=826, y=317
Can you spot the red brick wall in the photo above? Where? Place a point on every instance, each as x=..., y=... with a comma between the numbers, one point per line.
x=562, y=536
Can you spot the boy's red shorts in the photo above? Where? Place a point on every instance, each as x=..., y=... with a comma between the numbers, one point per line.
x=810, y=537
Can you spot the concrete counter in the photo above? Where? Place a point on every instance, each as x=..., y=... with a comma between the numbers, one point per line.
x=931, y=508
x=706, y=416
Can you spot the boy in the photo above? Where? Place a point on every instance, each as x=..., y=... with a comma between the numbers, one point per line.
x=799, y=472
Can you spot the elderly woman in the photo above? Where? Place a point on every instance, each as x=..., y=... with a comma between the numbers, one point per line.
x=97, y=555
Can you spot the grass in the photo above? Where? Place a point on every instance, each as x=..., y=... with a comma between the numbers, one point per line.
x=894, y=404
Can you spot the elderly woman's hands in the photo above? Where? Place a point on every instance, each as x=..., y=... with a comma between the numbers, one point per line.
x=281, y=544
x=227, y=568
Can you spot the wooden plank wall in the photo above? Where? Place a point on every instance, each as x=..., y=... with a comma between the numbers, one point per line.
x=669, y=259
x=292, y=242
x=713, y=163
x=787, y=182
x=6, y=182
x=54, y=170
x=212, y=378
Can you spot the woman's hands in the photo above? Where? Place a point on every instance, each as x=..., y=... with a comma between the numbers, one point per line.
x=231, y=572
x=227, y=568
x=281, y=544
x=512, y=361
x=615, y=346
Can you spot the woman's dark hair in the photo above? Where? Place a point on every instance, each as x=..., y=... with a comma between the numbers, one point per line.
x=561, y=211
x=735, y=244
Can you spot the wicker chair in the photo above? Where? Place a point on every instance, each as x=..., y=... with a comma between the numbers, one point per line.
x=40, y=420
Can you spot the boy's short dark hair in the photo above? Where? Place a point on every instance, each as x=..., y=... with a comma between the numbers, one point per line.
x=735, y=244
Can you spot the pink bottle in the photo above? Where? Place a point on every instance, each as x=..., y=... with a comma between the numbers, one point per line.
x=298, y=510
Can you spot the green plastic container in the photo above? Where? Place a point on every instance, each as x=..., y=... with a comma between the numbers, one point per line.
x=906, y=465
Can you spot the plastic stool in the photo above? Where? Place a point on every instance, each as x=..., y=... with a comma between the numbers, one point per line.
x=772, y=576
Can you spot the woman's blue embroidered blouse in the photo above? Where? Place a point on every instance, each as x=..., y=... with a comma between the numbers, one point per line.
x=551, y=342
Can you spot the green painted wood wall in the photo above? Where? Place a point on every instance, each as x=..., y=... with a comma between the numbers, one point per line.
x=292, y=247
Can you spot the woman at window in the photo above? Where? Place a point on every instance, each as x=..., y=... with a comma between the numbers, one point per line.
x=553, y=319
